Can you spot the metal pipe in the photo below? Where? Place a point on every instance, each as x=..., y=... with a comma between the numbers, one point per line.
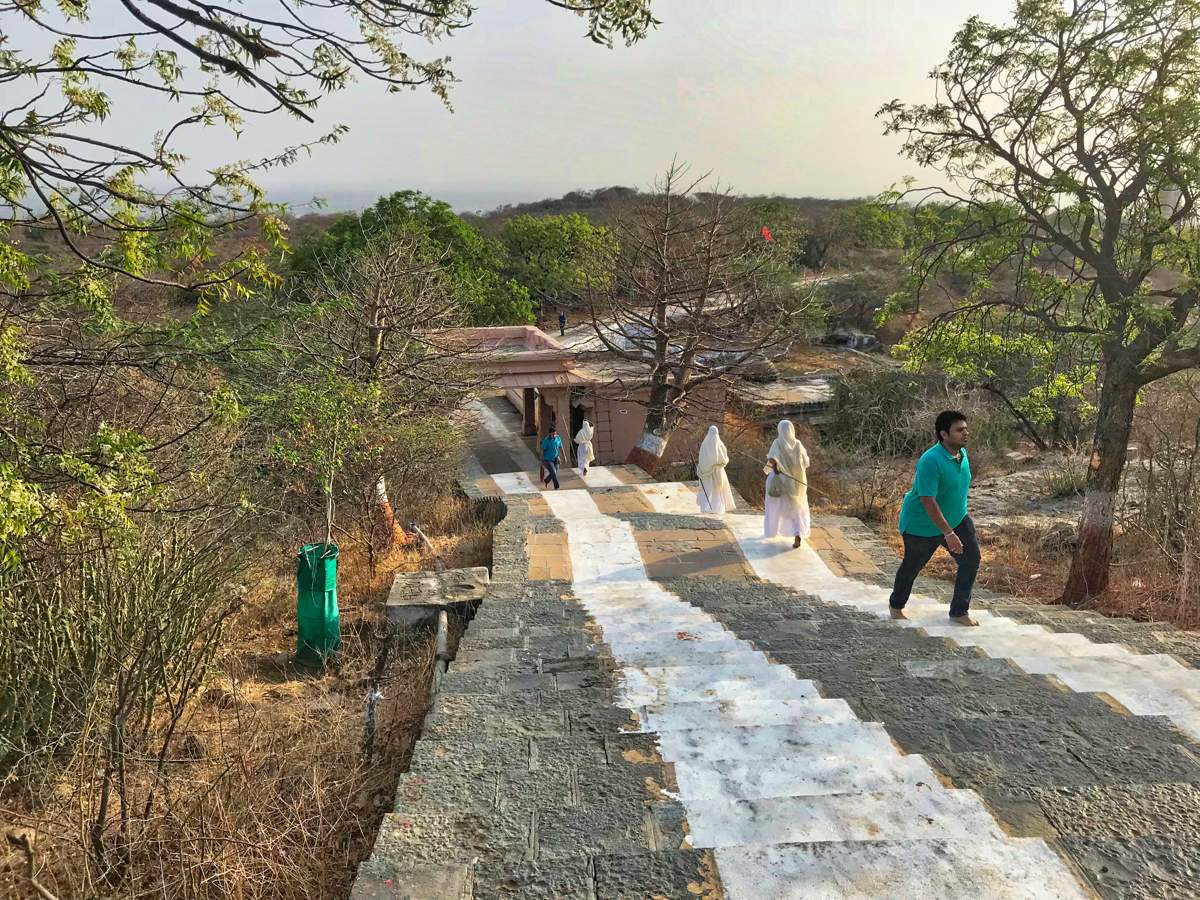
x=437, y=560
x=441, y=653
x=443, y=636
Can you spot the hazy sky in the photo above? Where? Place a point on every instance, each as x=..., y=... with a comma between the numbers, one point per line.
x=774, y=97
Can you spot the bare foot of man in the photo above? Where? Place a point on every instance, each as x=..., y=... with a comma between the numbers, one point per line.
x=963, y=620
x=897, y=613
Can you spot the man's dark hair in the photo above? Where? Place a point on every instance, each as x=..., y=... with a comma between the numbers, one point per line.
x=552, y=430
x=945, y=421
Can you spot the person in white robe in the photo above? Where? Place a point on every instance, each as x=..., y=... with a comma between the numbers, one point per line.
x=584, y=454
x=715, y=494
x=786, y=506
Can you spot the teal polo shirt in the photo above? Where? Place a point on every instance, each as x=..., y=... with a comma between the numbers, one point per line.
x=941, y=476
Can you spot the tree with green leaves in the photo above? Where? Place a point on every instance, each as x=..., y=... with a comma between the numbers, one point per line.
x=1072, y=135
x=476, y=264
x=355, y=367
x=555, y=257
x=143, y=209
x=91, y=214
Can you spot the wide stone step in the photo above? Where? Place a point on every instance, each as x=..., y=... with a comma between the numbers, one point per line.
x=910, y=814
x=723, y=714
x=651, y=616
x=654, y=685
x=850, y=740
x=1008, y=869
x=635, y=876
x=804, y=776
x=1160, y=671
x=617, y=635
x=701, y=654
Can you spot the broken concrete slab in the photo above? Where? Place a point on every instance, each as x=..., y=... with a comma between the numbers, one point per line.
x=417, y=597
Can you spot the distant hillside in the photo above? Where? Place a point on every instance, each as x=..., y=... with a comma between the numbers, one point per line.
x=605, y=205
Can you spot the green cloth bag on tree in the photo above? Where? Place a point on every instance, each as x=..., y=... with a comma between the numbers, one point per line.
x=318, y=630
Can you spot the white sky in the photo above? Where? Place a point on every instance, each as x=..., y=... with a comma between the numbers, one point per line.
x=773, y=96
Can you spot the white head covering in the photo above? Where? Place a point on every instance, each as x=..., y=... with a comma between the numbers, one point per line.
x=792, y=458
x=585, y=433
x=712, y=453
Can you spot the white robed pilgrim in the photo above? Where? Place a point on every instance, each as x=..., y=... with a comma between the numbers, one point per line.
x=583, y=450
x=786, y=505
x=715, y=494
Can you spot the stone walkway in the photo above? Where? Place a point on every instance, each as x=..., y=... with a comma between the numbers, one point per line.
x=651, y=702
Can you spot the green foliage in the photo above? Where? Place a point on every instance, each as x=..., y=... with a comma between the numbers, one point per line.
x=1080, y=183
x=476, y=263
x=556, y=257
x=92, y=652
x=817, y=237
x=1041, y=380
x=856, y=300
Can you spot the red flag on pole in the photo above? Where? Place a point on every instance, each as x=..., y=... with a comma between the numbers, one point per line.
x=766, y=233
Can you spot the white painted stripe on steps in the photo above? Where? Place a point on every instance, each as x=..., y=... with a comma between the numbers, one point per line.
x=724, y=713
x=911, y=814
x=515, y=483
x=602, y=477
x=1010, y=869
x=849, y=739
x=806, y=771
x=804, y=776
x=674, y=498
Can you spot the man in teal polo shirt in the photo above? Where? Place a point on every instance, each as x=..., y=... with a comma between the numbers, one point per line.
x=934, y=514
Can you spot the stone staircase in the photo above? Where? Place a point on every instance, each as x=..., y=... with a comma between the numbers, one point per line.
x=772, y=735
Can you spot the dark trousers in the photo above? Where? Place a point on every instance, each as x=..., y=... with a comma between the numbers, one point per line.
x=919, y=550
x=551, y=472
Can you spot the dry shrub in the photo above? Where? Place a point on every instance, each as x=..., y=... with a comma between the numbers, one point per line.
x=265, y=792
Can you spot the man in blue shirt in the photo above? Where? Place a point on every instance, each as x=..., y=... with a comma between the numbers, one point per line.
x=551, y=451
x=934, y=514
x=562, y=323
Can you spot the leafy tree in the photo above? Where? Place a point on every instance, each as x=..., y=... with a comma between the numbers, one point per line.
x=226, y=65
x=77, y=453
x=353, y=375
x=556, y=257
x=1043, y=384
x=475, y=263
x=815, y=237
x=1073, y=134
x=856, y=299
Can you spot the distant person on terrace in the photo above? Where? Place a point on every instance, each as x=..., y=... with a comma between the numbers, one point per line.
x=552, y=450
x=584, y=454
x=715, y=494
x=786, y=508
x=934, y=514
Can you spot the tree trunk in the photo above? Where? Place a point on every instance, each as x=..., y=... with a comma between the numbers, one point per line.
x=652, y=445
x=1114, y=421
x=384, y=519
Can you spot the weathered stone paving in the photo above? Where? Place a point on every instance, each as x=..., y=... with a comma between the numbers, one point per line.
x=652, y=703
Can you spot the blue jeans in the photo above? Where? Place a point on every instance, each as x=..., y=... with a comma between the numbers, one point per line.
x=919, y=550
x=551, y=472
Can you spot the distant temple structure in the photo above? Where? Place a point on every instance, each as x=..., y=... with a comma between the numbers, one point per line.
x=550, y=384
x=561, y=383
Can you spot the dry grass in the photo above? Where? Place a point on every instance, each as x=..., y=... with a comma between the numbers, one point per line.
x=267, y=792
